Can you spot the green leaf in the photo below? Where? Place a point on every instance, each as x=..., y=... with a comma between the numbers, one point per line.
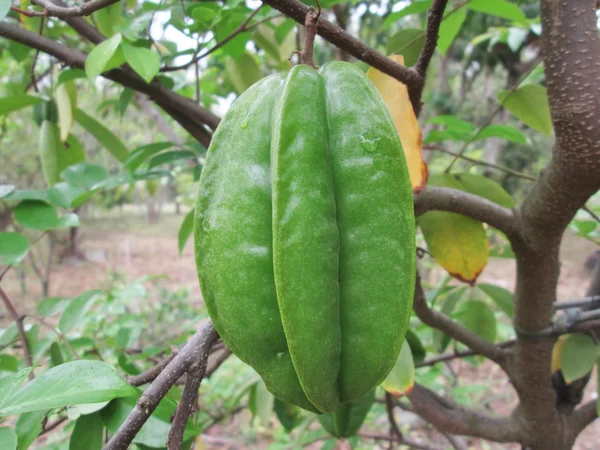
x=99, y=57
x=578, y=356
x=530, y=105
x=68, y=75
x=243, y=72
x=28, y=428
x=76, y=309
x=10, y=384
x=498, y=8
x=416, y=346
x=486, y=188
x=502, y=297
x=13, y=247
x=68, y=221
x=36, y=214
x=401, y=378
x=169, y=157
x=103, y=135
x=349, y=418
x=441, y=340
x=264, y=401
x=56, y=356
x=8, y=438
x=185, y=230
x=450, y=28
x=289, y=415
x=143, y=61
x=66, y=101
x=203, y=15
x=477, y=317
x=141, y=154
x=9, y=334
x=503, y=132
x=236, y=46
x=109, y=18
x=414, y=8
x=72, y=383
x=6, y=189
x=87, y=433
x=407, y=42
x=4, y=8
x=16, y=102
x=48, y=152
x=125, y=100
x=69, y=153
x=8, y=363
x=84, y=175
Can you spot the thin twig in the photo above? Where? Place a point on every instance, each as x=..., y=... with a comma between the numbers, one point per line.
x=19, y=322
x=389, y=408
x=456, y=355
x=150, y=375
x=35, y=57
x=53, y=10
x=404, y=441
x=434, y=20
x=310, y=25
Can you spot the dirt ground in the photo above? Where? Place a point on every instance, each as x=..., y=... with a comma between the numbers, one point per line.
x=127, y=244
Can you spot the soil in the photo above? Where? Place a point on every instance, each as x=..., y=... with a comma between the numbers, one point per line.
x=126, y=244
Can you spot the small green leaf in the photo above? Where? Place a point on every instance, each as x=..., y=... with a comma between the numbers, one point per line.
x=203, y=15
x=87, y=433
x=185, y=231
x=407, y=42
x=441, y=340
x=13, y=247
x=103, y=135
x=11, y=383
x=413, y=8
x=578, y=356
x=72, y=383
x=529, y=104
x=6, y=189
x=8, y=363
x=4, y=8
x=56, y=356
x=264, y=401
x=16, y=102
x=48, y=152
x=401, y=378
x=68, y=221
x=66, y=102
x=109, y=18
x=503, y=132
x=8, y=439
x=349, y=418
x=486, y=188
x=99, y=57
x=416, y=346
x=84, y=175
x=477, y=317
x=125, y=99
x=76, y=309
x=9, y=334
x=141, y=154
x=145, y=62
x=498, y=8
x=289, y=415
x=36, y=214
x=169, y=157
x=450, y=28
x=68, y=75
x=243, y=72
x=502, y=297
x=29, y=427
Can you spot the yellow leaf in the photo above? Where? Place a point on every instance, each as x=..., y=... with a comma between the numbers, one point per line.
x=459, y=244
x=556, y=353
x=395, y=96
x=401, y=379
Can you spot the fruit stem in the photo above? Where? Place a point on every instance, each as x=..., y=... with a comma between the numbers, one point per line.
x=310, y=23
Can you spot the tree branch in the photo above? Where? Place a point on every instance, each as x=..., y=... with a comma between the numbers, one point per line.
x=473, y=206
x=196, y=349
x=343, y=40
x=455, y=330
x=150, y=375
x=582, y=417
x=434, y=20
x=52, y=10
x=162, y=96
x=450, y=417
x=19, y=323
x=456, y=355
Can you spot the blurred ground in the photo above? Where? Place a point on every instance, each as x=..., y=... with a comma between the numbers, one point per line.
x=124, y=242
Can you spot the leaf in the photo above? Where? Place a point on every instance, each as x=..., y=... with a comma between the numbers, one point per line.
x=10, y=384
x=69, y=153
x=16, y=102
x=477, y=317
x=414, y=8
x=578, y=356
x=28, y=428
x=9, y=334
x=289, y=415
x=109, y=18
x=416, y=346
x=450, y=28
x=76, y=309
x=87, y=433
x=502, y=297
x=66, y=100
x=407, y=42
x=4, y=8
x=516, y=38
x=395, y=96
x=499, y=8
x=203, y=15
x=349, y=418
x=236, y=46
x=9, y=363
x=56, y=356
x=185, y=230
x=143, y=61
x=48, y=152
x=68, y=75
x=485, y=187
x=13, y=247
x=464, y=255
x=72, y=383
x=8, y=438
x=36, y=214
x=454, y=124
x=169, y=157
x=68, y=221
x=141, y=154
x=401, y=379
x=243, y=72
x=84, y=175
x=441, y=340
x=103, y=135
x=503, y=132
x=264, y=403
x=529, y=104
x=98, y=59
x=125, y=99
x=6, y=189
